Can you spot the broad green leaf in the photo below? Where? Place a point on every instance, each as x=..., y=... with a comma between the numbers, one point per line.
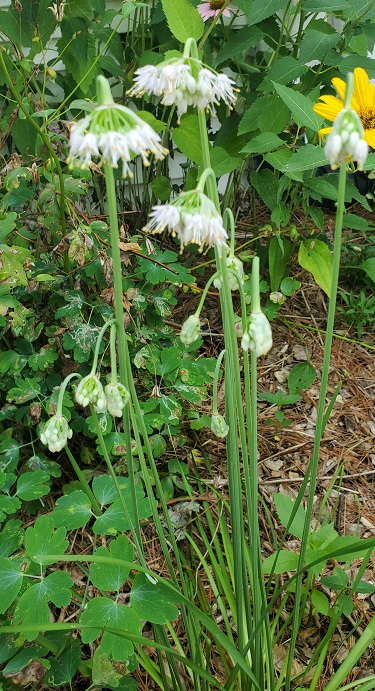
x=10, y=583
x=105, y=670
x=79, y=8
x=283, y=71
x=301, y=376
x=115, y=519
x=262, y=9
x=11, y=537
x=279, y=254
x=288, y=286
x=42, y=360
x=322, y=187
x=355, y=547
x=300, y=106
x=320, y=602
x=112, y=577
x=72, y=511
x=370, y=162
x=23, y=658
x=161, y=188
x=321, y=5
x=63, y=668
x=183, y=19
x=103, y=612
x=279, y=398
x=286, y=561
x=222, y=162
x=42, y=540
x=337, y=581
x=9, y=454
x=315, y=44
x=153, y=601
x=57, y=588
x=263, y=143
x=32, y=608
x=284, y=506
x=33, y=485
x=7, y=224
x=25, y=390
x=105, y=490
x=237, y=43
x=8, y=505
x=187, y=139
x=306, y=158
x=278, y=159
x=264, y=184
x=369, y=266
x=315, y=256
x=12, y=362
x=78, y=52
x=170, y=361
x=12, y=260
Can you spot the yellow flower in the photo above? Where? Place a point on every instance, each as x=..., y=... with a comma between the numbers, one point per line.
x=363, y=102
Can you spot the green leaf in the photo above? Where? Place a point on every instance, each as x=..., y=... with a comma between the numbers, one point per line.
x=320, y=602
x=42, y=540
x=153, y=601
x=286, y=561
x=57, y=588
x=116, y=520
x=300, y=106
x=9, y=453
x=105, y=490
x=315, y=45
x=222, y=162
x=288, y=286
x=183, y=19
x=25, y=390
x=237, y=43
x=79, y=8
x=11, y=537
x=187, y=139
x=7, y=224
x=315, y=256
x=12, y=260
x=337, y=581
x=78, y=52
x=103, y=612
x=263, y=143
x=306, y=158
x=161, y=188
x=32, y=485
x=279, y=398
x=112, y=577
x=279, y=254
x=264, y=184
x=63, y=669
x=43, y=359
x=23, y=658
x=10, y=583
x=300, y=377
x=8, y=505
x=283, y=71
x=12, y=362
x=321, y=5
x=72, y=511
x=262, y=9
x=284, y=507
x=278, y=159
x=104, y=673
x=369, y=267
x=32, y=608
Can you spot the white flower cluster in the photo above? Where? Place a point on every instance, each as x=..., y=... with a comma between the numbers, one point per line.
x=184, y=82
x=258, y=336
x=190, y=330
x=235, y=273
x=90, y=390
x=117, y=397
x=345, y=142
x=56, y=433
x=113, y=133
x=218, y=426
x=192, y=217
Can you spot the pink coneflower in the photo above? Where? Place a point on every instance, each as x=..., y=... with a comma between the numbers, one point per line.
x=212, y=9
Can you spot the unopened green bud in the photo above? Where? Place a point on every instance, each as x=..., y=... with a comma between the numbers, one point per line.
x=235, y=273
x=117, y=397
x=190, y=330
x=56, y=433
x=258, y=336
x=218, y=426
x=90, y=390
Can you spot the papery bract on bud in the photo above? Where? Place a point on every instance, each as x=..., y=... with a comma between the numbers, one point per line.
x=90, y=391
x=56, y=433
x=258, y=336
x=218, y=426
x=117, y=397
x=346, y=141
x=190, y=330
x=235, y=273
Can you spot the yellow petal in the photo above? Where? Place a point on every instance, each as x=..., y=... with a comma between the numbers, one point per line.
x=363, y=89
x=329, y=108
x=324, y=131
x=340, y=87
x=370, y=138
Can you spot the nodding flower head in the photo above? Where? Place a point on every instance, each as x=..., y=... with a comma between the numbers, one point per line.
x=346, y=140
x=184, y=82
x=190, y=330
x=56, y=433
x=192, y=217
x=117, y=397
x=90, y=391
x=258, y=335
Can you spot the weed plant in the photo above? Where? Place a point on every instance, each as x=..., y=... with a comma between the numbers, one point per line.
x=100, y=394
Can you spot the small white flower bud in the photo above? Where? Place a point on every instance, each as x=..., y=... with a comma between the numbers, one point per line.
x=90, y=390
x=56, y=433
x=259, y=335
x=218, y=426
x=117, y=397
x=234, y=265
x=190, y=330
x=346, y=142
x=277, y=297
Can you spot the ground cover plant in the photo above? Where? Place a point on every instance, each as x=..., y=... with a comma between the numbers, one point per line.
x=132, y=138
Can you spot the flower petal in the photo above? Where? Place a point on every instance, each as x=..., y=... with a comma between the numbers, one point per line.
x=340, y=87
x=324, y=131
x=363, y=89
x=329, y=107
x=369, y=137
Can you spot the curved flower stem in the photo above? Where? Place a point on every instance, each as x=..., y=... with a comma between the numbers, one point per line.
x=83, y=482
x=62, y=391
x=215, y=383
x=205, y=291
x=228, y=213
x=312, y=470
x=98, y=344
x=113, y=355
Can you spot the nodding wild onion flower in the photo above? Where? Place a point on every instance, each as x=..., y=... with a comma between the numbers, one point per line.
x=190, y=330
x=117, y=396
x=258, y=335
x=192, y=217
x=90, y=390
x=112, y=133
x=56, y=433
x=235, y=273
x=346, y=141
x=184, y=81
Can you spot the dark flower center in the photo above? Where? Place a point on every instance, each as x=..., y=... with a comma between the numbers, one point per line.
x=367, y=115
x=216, y=4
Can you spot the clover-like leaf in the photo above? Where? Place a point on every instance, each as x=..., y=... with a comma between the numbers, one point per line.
x=112, y=576
x=32, y=608
x=10, y=583
x=63, y=668
x=154, y=602
x=116, y=519
x=8, y=505
x=32, y=485
x=72, y=511
x=103, y=612
x=11, y=537
x=42, y=540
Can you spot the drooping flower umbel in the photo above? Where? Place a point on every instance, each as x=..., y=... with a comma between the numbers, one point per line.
x=210, y=9
x=362, y=102
x=90, y=390
x=192, y=217
x=117, y=396
x=112, y=133
x=345, y=142
x=184, y=81
x=56, y=433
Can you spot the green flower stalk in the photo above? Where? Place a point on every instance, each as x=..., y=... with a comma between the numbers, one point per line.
x=235, y=273
x=258, y=335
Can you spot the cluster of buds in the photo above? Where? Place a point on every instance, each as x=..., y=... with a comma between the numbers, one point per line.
x=113, y=397
x=56, y=433
x=117, y=397
x=192, y=217
x=112, y=133
x=345, y=142
x=235, y=273
x=258, y=335
x=190, y=330
x=184, y=82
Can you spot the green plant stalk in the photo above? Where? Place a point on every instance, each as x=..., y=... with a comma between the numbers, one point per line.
x=83, y=482
x=351, y=660
x=312, y=471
